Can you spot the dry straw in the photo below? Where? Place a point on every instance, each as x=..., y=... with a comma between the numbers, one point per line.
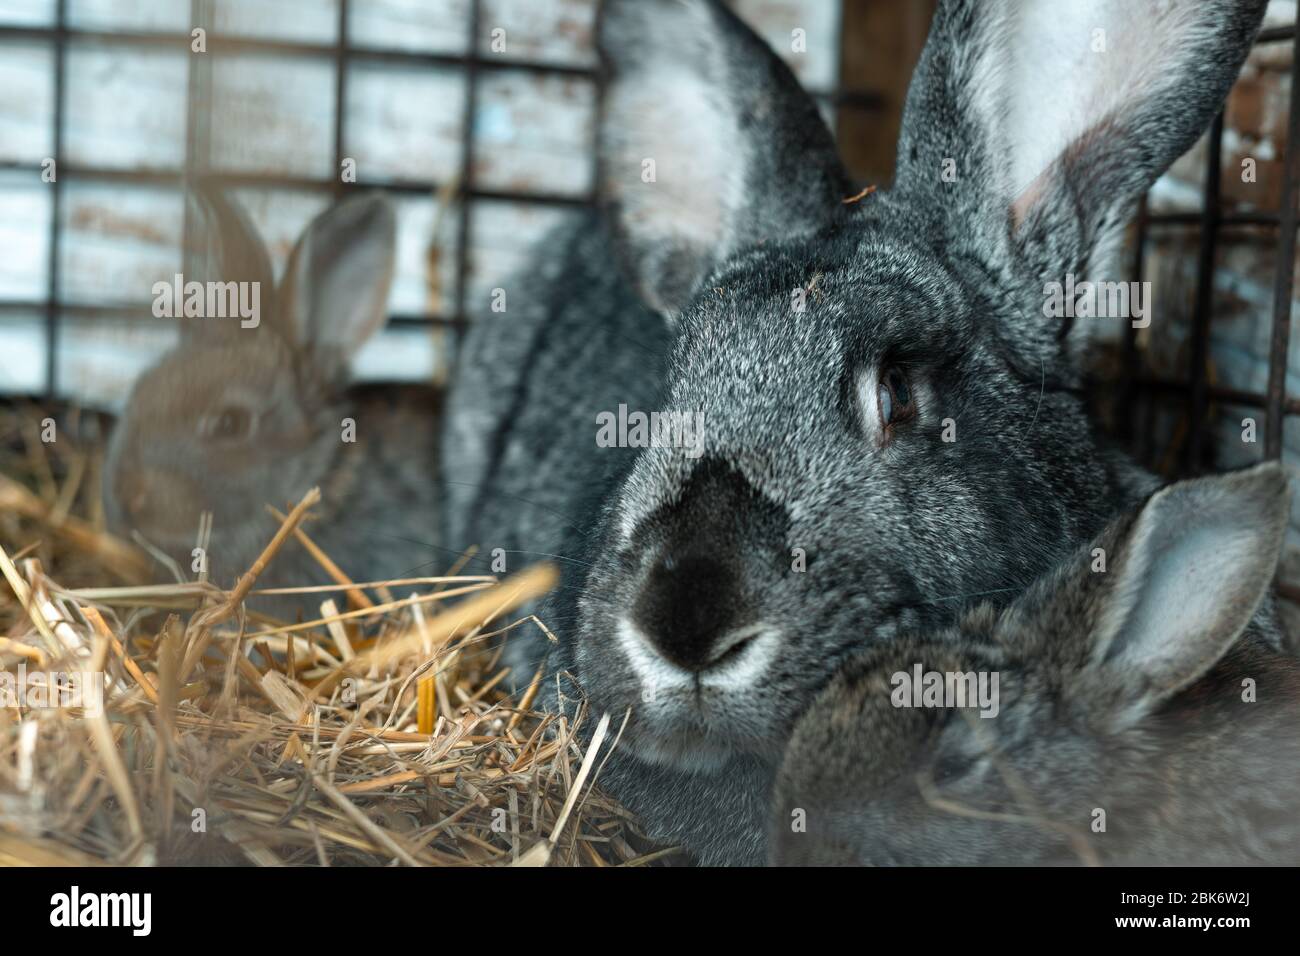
x=381, y=732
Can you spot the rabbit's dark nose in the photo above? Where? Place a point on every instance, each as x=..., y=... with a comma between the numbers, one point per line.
x=715, y=549
x=687, y=609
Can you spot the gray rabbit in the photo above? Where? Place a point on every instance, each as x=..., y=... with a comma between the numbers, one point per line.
x=245, y=414
x=1134, y=725
x=892, y=428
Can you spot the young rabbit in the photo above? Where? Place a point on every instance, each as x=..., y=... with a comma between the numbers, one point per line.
x=245, y=414
x=1131, y=725
x=891, y=427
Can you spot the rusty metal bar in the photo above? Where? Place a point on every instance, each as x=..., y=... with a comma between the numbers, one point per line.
x=1276, y=35
x=1250, y=218
x=1218, y=393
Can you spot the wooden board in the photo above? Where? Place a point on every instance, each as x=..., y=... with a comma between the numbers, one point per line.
x=25, y=207
x=125, y=106
x=26, y=101
x=426, y=26
x=403, y=122
x=118, y=240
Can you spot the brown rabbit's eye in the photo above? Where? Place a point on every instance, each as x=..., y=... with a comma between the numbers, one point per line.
x=894, y=397
x=229, y=423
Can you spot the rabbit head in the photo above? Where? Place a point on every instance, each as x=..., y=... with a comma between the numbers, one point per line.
x=1117, y=687
x=890, y=426
x=244, y=414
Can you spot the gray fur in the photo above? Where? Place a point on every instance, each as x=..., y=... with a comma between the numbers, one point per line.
x=378, y=515
x=1108, y=702
x=899, y=534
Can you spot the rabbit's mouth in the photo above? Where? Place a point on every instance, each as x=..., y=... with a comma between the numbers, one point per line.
x=694, y=718
x=740, y=658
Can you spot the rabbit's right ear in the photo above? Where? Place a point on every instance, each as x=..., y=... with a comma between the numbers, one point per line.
x=707, y=143
x=334, y=294
x=1033, y=126
x=221, y=246
x=1186, y=578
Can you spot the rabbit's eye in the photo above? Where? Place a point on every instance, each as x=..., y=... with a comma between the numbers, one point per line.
x=894, y=397
x=229, y=424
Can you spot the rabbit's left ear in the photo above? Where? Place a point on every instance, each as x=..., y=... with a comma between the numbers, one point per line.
x=1032, y=126
x=334, y=293
x=222, y=246
x=1185, y=580
x=707, y=144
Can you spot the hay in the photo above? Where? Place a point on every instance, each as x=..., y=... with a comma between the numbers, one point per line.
x=383, y=734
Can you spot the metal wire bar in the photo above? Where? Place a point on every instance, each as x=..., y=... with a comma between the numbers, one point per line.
x=1209, y=240
x=198, y=121
x=138, y=315
x=1280, y=340
x=231, y=45
x=340, y=95
x=175, y=178
x=56, y=215
x=1130, y=360
x=464, y=219
x=1246, y=218
x=1218, y=393
x=1276, y=35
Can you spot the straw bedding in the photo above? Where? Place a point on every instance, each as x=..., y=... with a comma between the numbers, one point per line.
x=380, y=733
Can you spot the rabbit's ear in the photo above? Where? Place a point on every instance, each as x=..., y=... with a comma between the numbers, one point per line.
x=1188, y=576
x=707, y=143
x=1032, y=126
x=334, y=293
x=221, y=246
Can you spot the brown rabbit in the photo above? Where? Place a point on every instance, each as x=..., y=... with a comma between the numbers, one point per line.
x=242, y=414
x=1129, y=724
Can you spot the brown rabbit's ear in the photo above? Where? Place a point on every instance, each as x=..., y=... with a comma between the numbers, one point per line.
x=1186, y=579
x=334, y=294
x=222, y=247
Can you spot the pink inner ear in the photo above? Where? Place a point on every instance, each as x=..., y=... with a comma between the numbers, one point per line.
x=1023, y=203
x=1075, y=164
